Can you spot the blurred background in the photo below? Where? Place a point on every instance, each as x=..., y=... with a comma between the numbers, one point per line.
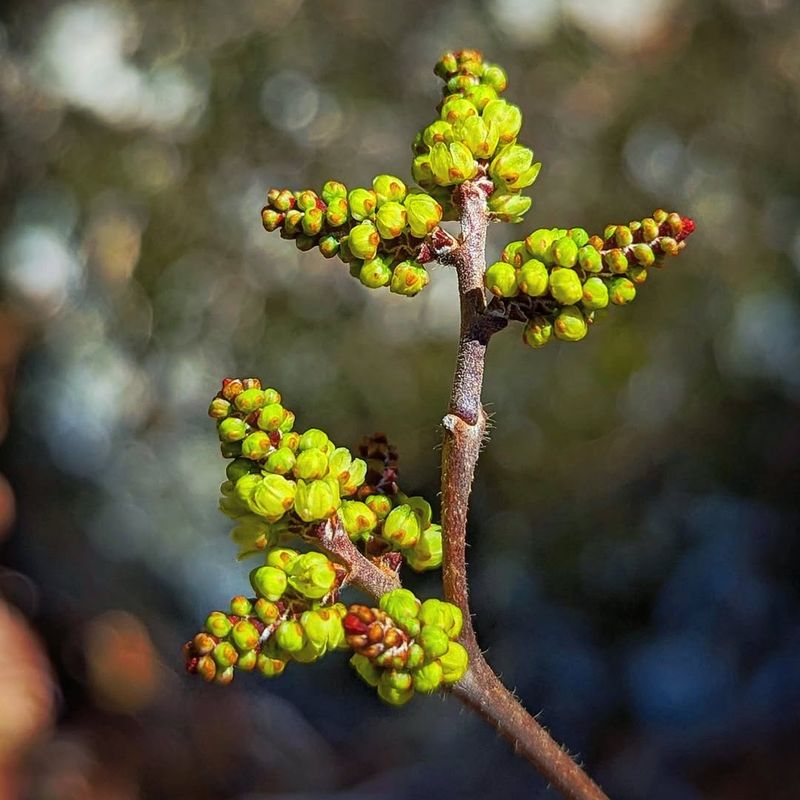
x=635, y=557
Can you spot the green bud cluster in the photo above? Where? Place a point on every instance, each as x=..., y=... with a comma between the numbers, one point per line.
x=279, y=481
x=378, y=232
x=475, y=135
x=264, y=635
x=556, y=279
x=406, y=646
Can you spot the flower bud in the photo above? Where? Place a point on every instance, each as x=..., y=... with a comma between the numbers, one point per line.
x=218, y=624
x=538, y=332
x=421, y=170
x=238, y=468
x=357, y=518
x=354, y=477
x=428, y=678
x=590, y=259
x=284, y=200
x=337, y=212
x=282, y=558
x=564, y=252
x=478, y=135
x=363, y=203
x=494, y=76
x=271, y=219
x=509, y=206
x=269, y=667
x=272, y=497
x=292, y=223
x=231, y=429
x=565, y=286
x=579, y=236
x=266, y=611
x=637, y=274
x=427, y=552
x=669, y=245
x=570, y=324
x=314, y=438
x=332, y=190
x=364, y=240
x=312, y=575
x=379, y=504
x=616, y=261
x=390, y=219
x=268, y=582
x=623, y=236
x=501, y=280
x=456, y=109
x=316, y=631
x=366, y=669
x=219, y=408
x=454, y=663
x=388, y=189
x=514, y=254
x=461, y=82
x=409, y=278
x=532, y=278
x=480, y=96
x=280, y=461
x=539, y=242
x=433, y=640
x=271, y=417
x=306, y=199
x=438, y=131
x=401, y=527
x=224, y=676
x=595, y=294
x=317, y=499
x=311, y=464
x=313, y=220
x=423, y=213
x=512, y=167
x=400, y=604
x=241, y=606
x=643, y=254
x=650, y=230
x=621, y=291
x=339, y=462
x=245, y=635
x=290, y=636
x=395, y=688
x=444, y=615
x=452, y=164
x=416, y=656
x=256, y=446
x=506, y=117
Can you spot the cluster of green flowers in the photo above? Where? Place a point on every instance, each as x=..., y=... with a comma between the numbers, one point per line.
x=377, y=231
x=405, y=646
x=280, y=482
x=557, y=279
x=476, y=134
x=294, y=617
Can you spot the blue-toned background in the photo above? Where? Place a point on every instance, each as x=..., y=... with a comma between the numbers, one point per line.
x=634, y=531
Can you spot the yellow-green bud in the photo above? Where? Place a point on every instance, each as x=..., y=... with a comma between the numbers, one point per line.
x=428, y=678
x=424, y=213
x=480, y=95
x=508, y=206
x=282, y=558
x=290, y=636
x=368, y=672
x=616, y=261
x=421, y=170
x=506, y=117
x=478, y=135
x=280, y=461
x=364, y=240
x=595, y=294
x=268, y=582
x=311, y=464
x=388, y=189
x=245, y=635
x=512, y=167
x=379, y=504
x=338, y=212
x=312, y=575
x=313, y=437
x=438, y=131
x=643, y=254
x=433, y=640
x=219, y=408
x=538, y=331
x=266, y=611
x=241, y=606
x=621, y=291
x=532, y=278
x=570, y=325
x=427, y=552
x=218, y=624
x=539, y=243
x=454, y=663
x=249, y=400
x=256, y=446
x=333, y=189
x=401, y=527
x=316, y=500
x=514, y=254
x=376, y=272
x=457, y=108
x=565, y=286
x=452, y=164
x=269, y=667
x=362, y=203
x=494, y=76
x=409, y=278
x=231, y=429
x=400, y=605
x=444, y=615
x=590, y=259
x=272, y=497
x=350, y=481
x=271, y=417
x=395, y=688
x=564, y=252
x=357, y=518
x=501, y=280
x=390, y=219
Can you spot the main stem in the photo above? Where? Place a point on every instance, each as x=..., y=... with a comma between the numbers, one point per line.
x=464, y=431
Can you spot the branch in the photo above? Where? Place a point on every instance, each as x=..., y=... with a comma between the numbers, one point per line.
x=372, y=578
x=464, y=431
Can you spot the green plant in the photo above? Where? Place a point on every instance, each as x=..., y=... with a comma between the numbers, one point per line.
x=354, y=523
